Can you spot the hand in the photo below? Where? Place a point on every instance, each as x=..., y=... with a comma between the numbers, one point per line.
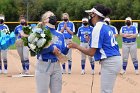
x=87, y=38
x=65, y=25
x=56, y=51
x=72, y=45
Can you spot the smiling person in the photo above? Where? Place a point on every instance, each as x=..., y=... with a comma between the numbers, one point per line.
x=48, y=70
x=67, y=28
x=103, y=47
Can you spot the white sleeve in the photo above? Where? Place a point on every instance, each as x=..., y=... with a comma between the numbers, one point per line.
x=121, y=30
x=96, y=36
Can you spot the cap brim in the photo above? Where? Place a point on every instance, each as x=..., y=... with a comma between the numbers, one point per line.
x=88, y=11
x=2, y=18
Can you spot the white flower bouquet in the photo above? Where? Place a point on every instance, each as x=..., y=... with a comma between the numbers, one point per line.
x=6, y=31
x=38, y=39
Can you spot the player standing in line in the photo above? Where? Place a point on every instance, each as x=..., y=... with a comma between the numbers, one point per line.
x=67, y=28
x=103, y=47
x=84, y=34
x=22, y=50
x=114, y=29
x=129, y=46
x=48, y=70
x=3, y=53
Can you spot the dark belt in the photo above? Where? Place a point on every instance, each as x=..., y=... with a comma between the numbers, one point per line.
x=50, y=60
x=83, y=42
x=67, y=38
x=128, y=41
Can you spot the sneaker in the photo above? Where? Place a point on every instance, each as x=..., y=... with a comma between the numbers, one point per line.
x=5, y=71
x=0, y=71
x=69, y=71
x=82, y=72
x=136, y=72
x=63, y=71
x=26, y=72
x=123, y=72
x=92, y=72
x=23, y=72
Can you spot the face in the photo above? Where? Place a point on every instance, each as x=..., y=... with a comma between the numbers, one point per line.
x=85, y=23
x=22, y=21
x=65, y=18
x=92, y=19
x=128, y=22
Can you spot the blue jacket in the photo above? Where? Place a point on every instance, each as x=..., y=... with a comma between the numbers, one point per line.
x=58, y=41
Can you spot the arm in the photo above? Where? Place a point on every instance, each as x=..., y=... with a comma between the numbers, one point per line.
x=23, y=34
x=61, y=30
x=71, y=31
x=87, y=51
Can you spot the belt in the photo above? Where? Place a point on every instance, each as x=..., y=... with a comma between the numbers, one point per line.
x=50, y=60
x=83, y=42
x=128, y=41
x=67, y=38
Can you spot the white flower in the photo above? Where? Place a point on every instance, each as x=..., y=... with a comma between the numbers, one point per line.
x=42, y=35
x=38, y=30
x=41, y=42
x=31, y=37
x=32, y=46
x=35, y=40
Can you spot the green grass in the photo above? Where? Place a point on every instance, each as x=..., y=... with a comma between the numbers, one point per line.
x=75, y=39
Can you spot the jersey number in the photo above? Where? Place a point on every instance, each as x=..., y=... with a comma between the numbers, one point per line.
x=113, y=39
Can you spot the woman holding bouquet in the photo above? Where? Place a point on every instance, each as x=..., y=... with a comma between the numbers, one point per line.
x=3, y=53
x=23, y=51
x=48, y=70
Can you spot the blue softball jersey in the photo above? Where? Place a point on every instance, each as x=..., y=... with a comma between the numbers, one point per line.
x=114, y=29
x=83, y=31
x=3, y=26
x=17, y=31
x=59, y=42
x=104, y=41
x=128, y=30
x=70, y=25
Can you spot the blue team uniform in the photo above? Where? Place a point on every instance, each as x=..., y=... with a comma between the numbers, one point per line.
x=127, y=30
x=47, y=53
x=17, y=31
x=70, y=25
x=82, y=31
x=114, y=29
x=104, y=40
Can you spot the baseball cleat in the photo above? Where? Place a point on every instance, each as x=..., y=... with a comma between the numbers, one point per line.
x=63, y=71
x=123, y=72
x=136, y=72
x=82, y=72
x=5, y=71
x=0, y=71
x=69, y=71
x=92, y=72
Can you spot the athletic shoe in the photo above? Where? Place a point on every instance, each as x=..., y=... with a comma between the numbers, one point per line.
x=26, y=72
x=63, y=71
x=69, y=71
x=136, y=72
x=0, y=71
x=123, y=72
x=92, y=72
x=5, y=71
x=82, y=72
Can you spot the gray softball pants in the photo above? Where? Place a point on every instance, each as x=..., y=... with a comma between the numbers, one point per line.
x=48, y=75
x=110, y=67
